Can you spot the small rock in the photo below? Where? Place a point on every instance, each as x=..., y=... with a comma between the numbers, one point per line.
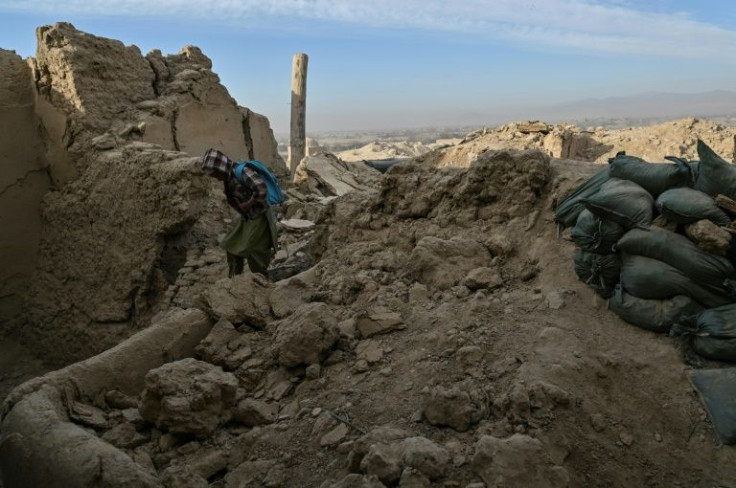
x=313, y=371
x=380, y=320
x=554, y=300
x=189, y=448
x=425, y=456
x=597, y=422
x=483, y=278
x=657, y=437
x=104, y=142
x=361, y=366
x=347, y=328
x=626, y=439
x=133, y=416
x=118, y=399
x=469, y=356
x=124, y=436
x=167, y=441
x=307, y=336
x=369, y=350
x=88, y=415
x=255, y=412
x=411, y=478
x=519, y=460
x=182, y=476
x=335, y=436
x=316, y=411
x=188, y=397
x=383, y=461
x=453, y=407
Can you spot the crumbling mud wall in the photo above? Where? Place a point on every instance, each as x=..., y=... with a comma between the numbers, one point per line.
x=118, y=135
x=23, y=181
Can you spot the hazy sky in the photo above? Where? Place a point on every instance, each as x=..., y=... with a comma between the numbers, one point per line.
x=410, y=63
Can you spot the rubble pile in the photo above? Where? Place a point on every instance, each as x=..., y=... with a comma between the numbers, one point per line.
x=676, y=138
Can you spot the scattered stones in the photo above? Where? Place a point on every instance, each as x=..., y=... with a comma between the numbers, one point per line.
x=453, y=407
x=307, y=337
x=224, y=346
x=188, y=397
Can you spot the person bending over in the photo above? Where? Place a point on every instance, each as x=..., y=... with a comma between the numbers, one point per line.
x=252, y=237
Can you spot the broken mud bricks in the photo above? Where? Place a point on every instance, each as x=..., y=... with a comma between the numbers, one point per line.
x=241, y=299
x=378, y=320
x=188, y=397
x=454, y=407
x=224, y=346
x=307, y=336
x=388, y=455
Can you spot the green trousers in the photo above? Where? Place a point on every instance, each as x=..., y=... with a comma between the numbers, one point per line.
x=250, y=240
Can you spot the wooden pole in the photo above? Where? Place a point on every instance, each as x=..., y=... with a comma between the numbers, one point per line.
x=298, y=143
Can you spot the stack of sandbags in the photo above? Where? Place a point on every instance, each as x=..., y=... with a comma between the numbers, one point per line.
x=657, y=277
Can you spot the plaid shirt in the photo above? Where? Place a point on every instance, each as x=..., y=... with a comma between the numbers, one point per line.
x=248, y=197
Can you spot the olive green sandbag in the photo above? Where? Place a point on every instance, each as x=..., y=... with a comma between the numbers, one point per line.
x=594, y=234
x=712, y=332
x=649, y=278
x=655, y=178
x=693, y=166
x=623, y=202
x=717, y=389
x=680, y=252
x=686, y=206
x=716, y=176
x=600, y=271
x=650, y=314
x=567, y=211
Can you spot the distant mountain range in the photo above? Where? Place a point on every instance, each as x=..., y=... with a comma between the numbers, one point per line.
x=646, y=105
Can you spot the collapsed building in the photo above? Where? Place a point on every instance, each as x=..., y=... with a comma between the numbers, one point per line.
x=428, y=330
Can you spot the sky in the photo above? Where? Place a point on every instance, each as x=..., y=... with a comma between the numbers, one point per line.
x=388, y=64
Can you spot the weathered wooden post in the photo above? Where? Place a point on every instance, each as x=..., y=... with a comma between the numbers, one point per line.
x=298, y=143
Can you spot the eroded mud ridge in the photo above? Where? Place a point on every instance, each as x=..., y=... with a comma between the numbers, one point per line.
x=420, y=328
